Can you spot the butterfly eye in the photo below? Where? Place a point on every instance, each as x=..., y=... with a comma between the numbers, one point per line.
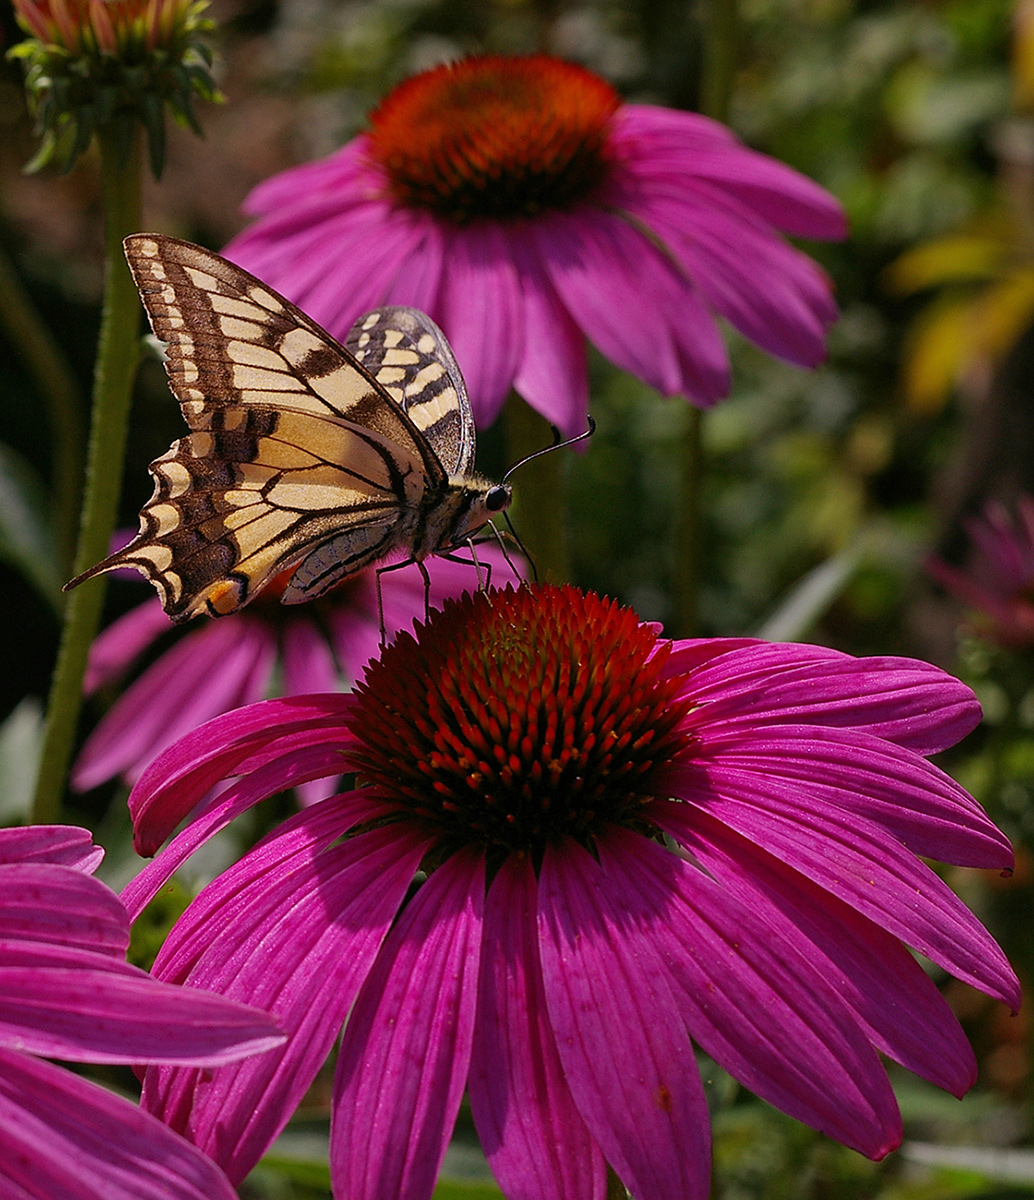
x=497, y=498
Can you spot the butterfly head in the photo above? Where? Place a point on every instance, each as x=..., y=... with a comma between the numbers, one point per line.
x=476, y=502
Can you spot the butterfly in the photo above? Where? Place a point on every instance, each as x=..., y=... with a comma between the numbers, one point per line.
x=303, y=454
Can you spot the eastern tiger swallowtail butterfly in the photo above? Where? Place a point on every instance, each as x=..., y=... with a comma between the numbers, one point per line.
x=302, y=453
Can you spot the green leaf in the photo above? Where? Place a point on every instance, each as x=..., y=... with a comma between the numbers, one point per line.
x=21, y=736
x=810, y=597
x=26, y=539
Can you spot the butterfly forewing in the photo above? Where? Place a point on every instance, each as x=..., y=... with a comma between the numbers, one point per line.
x=298, y=455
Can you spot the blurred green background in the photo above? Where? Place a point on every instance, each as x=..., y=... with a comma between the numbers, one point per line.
x=823, y=492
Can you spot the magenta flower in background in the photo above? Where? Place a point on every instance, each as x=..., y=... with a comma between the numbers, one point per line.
x=529, y=755
x=526, y=208
x=268, y=649
x=998, y=581
x=67, y=992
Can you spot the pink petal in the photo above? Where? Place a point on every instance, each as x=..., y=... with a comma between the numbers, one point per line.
x=856, y=861
x=919, y=804
x=370, y=247
x=84, y=1007
x=772, y=293
x=175, y=783
x=668, y=338
x=313, y=762
x=682, y=145
x=759, y=1010
x=552, y=376
x=117, y=647
x=65, y=845
x=419, y=283
x=898, y=1003
x=44, y=902
x=529, y=1128
x=61, y=1136
x=308, y=662
x=226, y=664
x=295, y=938
x=406, y=1048
x=480, y=310
x=908, y=702
x=325, y=176
x=619, y=1032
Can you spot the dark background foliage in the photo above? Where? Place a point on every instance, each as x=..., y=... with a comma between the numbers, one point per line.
x=915, y=116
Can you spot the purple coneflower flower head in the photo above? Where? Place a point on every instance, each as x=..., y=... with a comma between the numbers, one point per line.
x=526, y=208
x=624, y=846
x=998, y=581
x=267, y=649
x=67, y=992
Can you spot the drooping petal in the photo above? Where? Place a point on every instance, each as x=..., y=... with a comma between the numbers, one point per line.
x=858, y=862
x=44, y=902
x=117, y=647
x=772, y=293
x=86, y=1007
x=371, y=245
x=620, y=1035
x=406, y=1048
x=225, y=665
x=61, y=1136
x=690, y=147
x=326, y=177
x=552, y=375
x=529, y=1128
x=180, y=777
x=296, y=939
x=668, y=337
x=480, y=310
x=64, y=845
x=419, y=283
x=903, y=700
x=925, y=809
x=897, y=1002
x=311, y=763
x=759, y=1010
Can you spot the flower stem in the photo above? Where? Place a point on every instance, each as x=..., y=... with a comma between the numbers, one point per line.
x=541, y=489
x=117, y=357
x=57, y=385
x=720, y=26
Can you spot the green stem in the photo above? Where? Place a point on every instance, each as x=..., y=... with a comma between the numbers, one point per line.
x=719, y=52
x=45, y=361
x=687, y=527
x=541, y=491
x=117, y=356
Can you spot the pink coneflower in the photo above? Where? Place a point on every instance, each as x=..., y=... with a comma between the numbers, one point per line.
x=526, y=208
x=267, y=650
x=998, y=582
x=67, y=992
x=624, y=843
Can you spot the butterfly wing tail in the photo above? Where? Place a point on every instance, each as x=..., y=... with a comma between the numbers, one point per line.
x=112, y=563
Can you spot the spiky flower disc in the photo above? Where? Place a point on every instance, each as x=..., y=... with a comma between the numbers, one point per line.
x=495, y=137
x=520, y=717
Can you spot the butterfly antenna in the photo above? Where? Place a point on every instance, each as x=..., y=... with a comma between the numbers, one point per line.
x=557, y=444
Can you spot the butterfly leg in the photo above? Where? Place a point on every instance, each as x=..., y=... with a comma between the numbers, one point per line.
x=406, y=562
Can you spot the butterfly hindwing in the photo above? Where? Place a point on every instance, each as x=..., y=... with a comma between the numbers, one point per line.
x=298, y=454
x=410, y=358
